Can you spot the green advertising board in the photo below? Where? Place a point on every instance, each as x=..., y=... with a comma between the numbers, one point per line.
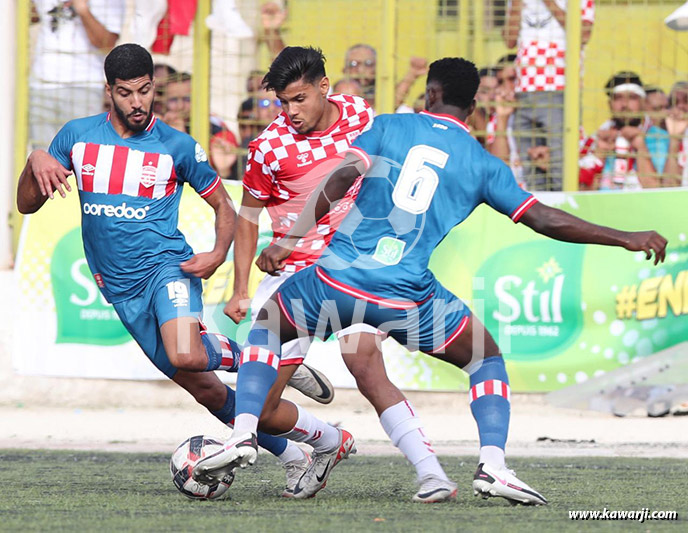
x=560, y=312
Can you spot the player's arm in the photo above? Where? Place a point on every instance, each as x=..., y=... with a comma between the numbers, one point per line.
x=562, y=226
x=42, y=175
x=325, y=198
x=205, y=264
x=245, y=246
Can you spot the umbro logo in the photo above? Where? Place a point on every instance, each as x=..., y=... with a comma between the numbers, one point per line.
x=88, y=170
x=304, y=161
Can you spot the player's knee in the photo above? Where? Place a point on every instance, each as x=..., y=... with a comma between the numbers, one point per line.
x=367, y=369
x=196, y=360
x=268, y=418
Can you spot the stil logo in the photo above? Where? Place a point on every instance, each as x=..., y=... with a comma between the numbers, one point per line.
x=531, y=295
x=83, y=315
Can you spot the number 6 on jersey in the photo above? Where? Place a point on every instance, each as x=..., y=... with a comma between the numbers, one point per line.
x=417, y=182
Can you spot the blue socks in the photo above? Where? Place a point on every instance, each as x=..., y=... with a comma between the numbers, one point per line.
x=275, y=445
x=490, y=401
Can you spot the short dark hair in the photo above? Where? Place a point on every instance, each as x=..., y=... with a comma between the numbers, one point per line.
x=506, y=60
x=292, y=64
x=459, y=80
x=622, y=78
x=128, y=61
x=488, y=71
x=651, y=89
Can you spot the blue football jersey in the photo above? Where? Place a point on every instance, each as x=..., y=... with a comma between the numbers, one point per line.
x=426, y=175
x=129, y=191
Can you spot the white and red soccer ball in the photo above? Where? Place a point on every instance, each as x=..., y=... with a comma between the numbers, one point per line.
x=183, y=460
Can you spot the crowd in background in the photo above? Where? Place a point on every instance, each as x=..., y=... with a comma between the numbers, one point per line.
x=519, y=114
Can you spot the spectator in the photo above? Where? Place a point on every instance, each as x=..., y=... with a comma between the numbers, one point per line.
x=616, y=157
x=538, y=28
x=657, y=138
x=656, y=106
x=506, y=73
x=67, y=71
x=360, y=64
x=483, y=117
x=222, y=154
x=255, y=113
x=348, y=86
x=676, y=169
x=161, y=73
x=272, y=17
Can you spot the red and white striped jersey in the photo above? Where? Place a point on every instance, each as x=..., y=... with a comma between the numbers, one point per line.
x=284, y=167
x=130, y=191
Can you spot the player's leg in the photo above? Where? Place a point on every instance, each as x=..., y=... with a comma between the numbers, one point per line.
x=219, y=399
x=206, y=388
x=470, y=346
x=363, y=357
x=307, y=380
x=260, y=385
x=178, y=306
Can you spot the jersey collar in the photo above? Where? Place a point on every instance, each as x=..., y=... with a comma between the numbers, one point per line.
x=450, y=118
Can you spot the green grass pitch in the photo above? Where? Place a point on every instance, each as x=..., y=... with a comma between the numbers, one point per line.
x=88, y=491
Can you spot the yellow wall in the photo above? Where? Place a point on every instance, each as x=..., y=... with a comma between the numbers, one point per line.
x=631, y=37
x=625, y=36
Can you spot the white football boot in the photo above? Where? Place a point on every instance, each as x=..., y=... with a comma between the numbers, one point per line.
x=490, y=481
x=238, y=451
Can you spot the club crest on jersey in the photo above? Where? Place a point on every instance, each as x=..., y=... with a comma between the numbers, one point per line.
x=200, y=154
x=148, y=175
x=88, y=170
x=304, y=161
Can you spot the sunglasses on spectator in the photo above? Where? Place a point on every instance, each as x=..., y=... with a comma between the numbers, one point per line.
x=265, y=102
x=368, y=63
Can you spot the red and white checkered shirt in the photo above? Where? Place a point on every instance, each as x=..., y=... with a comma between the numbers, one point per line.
x=540, y=60
x=284, y=167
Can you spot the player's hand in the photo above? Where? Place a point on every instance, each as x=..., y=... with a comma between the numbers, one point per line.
x=49, y=173
x=237, y=307
x=272, y=258
x=272, y=16
x=202, y=265
x=648, y=242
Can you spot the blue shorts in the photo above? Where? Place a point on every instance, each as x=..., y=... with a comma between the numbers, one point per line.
x=318, y=304
x=171, y=294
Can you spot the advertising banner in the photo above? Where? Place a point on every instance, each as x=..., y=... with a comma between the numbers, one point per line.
x=560, y=312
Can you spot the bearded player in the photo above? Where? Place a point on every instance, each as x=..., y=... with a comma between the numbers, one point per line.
x=130, y=169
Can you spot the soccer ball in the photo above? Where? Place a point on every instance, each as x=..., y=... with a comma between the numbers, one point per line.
x=183, y=460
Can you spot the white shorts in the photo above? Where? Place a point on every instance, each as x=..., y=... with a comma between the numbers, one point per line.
x=292, y=354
